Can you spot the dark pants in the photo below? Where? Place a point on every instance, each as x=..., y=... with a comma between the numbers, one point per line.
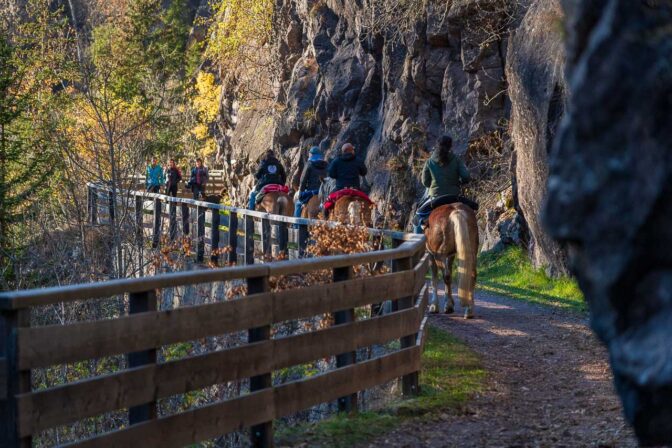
x=153, y=188
x=198, y=190
x=172, y=190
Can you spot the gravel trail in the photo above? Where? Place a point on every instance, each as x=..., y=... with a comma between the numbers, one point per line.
x=548, y=384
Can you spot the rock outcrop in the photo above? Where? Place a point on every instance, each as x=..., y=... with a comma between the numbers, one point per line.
x=610, y=195
x=534, y=71
x=390, y=95
x=392, y=91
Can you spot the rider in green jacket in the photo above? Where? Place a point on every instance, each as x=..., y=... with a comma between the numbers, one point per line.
x=443, y=173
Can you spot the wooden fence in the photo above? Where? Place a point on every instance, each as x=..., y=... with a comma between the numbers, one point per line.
x=26, y=411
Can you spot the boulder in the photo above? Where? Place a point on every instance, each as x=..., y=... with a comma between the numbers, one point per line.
x=610, y=195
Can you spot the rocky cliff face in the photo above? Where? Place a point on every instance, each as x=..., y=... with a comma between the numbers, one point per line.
x=610, y=196
x=390, y=96
x=535, y=65
x=392, y=93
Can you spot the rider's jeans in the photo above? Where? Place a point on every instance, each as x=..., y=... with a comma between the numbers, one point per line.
x=252, y=201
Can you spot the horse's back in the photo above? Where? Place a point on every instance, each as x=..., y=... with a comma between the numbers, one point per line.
x=441, y=233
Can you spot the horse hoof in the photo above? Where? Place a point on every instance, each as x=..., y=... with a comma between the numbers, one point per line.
x=450, y=310
x=433, y=309
x=468, y=313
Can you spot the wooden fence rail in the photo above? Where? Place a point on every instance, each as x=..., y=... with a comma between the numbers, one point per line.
x=26, y=411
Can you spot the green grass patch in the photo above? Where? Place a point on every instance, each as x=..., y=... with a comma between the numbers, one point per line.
x=451, y=374
x=510, y=273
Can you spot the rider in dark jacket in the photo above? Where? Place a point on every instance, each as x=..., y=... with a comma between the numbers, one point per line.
x=270, y=171
x=311, y=178
x=346, y=168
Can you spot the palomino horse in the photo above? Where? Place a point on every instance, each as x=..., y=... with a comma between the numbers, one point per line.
x=277, y=203
x=453, y=232
x=353, y=210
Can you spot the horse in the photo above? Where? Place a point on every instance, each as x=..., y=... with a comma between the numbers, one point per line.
x=277, y=203
x=312, y=209
x=353, y=210
x=453, y=232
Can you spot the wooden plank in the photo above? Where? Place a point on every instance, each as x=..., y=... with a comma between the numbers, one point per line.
x=193, y=426
x=46, y=296
x=219, y=418
x=292, y=397
x=53, y=344
x=420, y=272
x=64, y=404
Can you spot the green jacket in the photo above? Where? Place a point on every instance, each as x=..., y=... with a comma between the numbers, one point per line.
x=444, y=180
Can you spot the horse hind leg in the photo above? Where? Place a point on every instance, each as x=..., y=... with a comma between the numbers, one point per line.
x=447, y=280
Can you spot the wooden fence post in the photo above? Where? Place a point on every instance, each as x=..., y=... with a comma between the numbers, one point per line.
x=303, y=240
x=214, y=234
x=200, y=233
x=156, y=232
x=233, y=237
x=262, y=434
x=249, y=240
x=282, y=239
x=266, y=237
x=349, y=402
x=140, y=230
x=139, y=303
x=185, y=219
x=409, y=383
x=172, y=219
x=17, y=381
x=93, y=205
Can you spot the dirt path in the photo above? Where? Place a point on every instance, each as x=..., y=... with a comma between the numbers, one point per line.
x=549, y=384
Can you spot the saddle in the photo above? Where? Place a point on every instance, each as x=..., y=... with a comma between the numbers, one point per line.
x=335, y=196
x=429, y=205
x=271, y=188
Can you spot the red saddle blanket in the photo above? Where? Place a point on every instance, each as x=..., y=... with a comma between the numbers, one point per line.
x=336, y=195
x=275, y=188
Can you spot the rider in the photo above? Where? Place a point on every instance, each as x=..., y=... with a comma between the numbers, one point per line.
x=443, y=174
x=270, y=172
x=346, y=168
x=314, y=172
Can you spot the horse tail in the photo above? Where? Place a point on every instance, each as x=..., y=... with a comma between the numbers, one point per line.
x=355, y=212
x=466, y=257
x=283, y=206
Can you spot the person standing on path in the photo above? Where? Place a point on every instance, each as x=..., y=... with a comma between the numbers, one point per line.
x=173, y=178
x=198, y=179
x=154, y=178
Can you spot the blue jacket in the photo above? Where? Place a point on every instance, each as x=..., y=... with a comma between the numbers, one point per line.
x=154, y=175
x=346, y=170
